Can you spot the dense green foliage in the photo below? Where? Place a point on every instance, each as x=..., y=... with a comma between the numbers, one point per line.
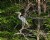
x=8, y=20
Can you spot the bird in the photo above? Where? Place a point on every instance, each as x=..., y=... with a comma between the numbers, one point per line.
x=22, y=18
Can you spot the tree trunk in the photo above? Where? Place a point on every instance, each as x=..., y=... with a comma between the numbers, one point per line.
x=44, y=6
x=39, y=12
x=39, y=7
x=38, y=29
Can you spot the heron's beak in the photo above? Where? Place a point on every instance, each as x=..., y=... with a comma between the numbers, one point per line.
x=18, y=13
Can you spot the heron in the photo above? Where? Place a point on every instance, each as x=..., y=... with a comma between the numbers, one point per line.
x=22, y=18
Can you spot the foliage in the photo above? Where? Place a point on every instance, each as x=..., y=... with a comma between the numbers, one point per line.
x=9, y=19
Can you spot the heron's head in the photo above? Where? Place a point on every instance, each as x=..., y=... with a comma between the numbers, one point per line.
x=19, y=13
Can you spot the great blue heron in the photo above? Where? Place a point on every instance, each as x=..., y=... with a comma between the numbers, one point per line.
x=22, y=18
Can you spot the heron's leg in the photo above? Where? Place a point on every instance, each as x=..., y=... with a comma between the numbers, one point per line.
x=23, y=24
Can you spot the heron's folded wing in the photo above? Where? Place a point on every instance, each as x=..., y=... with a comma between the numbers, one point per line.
x=23, y=19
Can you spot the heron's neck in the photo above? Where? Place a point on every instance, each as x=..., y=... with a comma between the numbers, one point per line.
x=19, y=15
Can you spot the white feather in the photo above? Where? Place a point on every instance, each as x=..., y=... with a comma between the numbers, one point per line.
x=22, y=18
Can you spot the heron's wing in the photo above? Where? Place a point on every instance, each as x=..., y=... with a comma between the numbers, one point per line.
x=24, y=20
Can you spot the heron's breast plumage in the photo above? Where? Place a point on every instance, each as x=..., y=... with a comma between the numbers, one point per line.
x=22, y=19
